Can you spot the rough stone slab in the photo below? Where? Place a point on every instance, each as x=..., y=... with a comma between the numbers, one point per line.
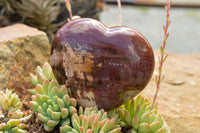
x=16, y=31
x=22, y=48
x=178, y=100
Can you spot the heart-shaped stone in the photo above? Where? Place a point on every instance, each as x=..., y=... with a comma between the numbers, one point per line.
x=101, y=66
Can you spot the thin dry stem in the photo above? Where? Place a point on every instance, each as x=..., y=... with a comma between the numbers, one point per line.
x=120, y=12
x=68, y=6
x=163, y=57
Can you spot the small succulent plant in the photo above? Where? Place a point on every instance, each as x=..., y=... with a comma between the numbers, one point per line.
x=53, y=104
x=10, y=104
x=91, y=120
x=12, y=126
x=10, y=113
x=138, y=115
x=42, y=74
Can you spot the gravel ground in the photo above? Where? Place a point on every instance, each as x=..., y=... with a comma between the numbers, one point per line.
x=184, y=30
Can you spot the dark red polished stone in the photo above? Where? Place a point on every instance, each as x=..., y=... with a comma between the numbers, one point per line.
x=101, y=66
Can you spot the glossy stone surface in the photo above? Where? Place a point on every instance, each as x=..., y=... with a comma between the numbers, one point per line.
x=101, y=66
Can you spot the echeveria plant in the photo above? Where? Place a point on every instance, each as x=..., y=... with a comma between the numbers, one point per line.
x=91, y=120
x=10, y=104
x=140, y=118
x=10, y=113
x=53, y=104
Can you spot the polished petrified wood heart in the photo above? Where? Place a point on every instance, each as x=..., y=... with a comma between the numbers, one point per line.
x=101, y=66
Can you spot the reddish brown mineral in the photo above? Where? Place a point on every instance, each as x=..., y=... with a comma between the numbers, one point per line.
x=101, y=66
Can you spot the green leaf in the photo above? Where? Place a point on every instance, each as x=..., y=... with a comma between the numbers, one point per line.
x=64, y=113
x=56, y=115
x=43, y=118
x=53, y=123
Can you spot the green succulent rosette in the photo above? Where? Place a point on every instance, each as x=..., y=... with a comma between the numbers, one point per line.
x=52, y=104
x=91, y=120
x=12, y=126
x=10, y=104
x=41, y=74
x=10, y=113
x=140, y=118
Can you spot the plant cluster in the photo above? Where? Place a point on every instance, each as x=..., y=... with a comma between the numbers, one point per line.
x=10, y=104
x=54, y=106
x=10, y=113
x=137, y=115
x=91, y=120
x=51, y=101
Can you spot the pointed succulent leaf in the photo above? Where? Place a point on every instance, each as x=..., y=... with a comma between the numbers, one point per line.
x=73, y=102
x=135, y=122
x=43, y=118
x=66, y=129
x=66, y=100
x=38, y=69
x=41, y=110
x=15, y=115
x=72, y=110
x=80, y=110
x=95, y=125
x=47, y=71
x=48, y=128
x=154, y=126
x=33, y=79
x=85, y=122
x=41, y=77
x=34, y=106
x=56, y=115
x=144, y=127
x=60, y=103
x=65, y=121
x=45, y=87
x=116, y=130
x=64, y=113
x=53, y=123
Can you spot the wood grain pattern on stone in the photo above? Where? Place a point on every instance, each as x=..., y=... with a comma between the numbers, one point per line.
x=102, y=66
x=178, y=99
x=22, y=48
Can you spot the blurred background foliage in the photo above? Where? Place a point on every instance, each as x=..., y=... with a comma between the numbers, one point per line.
x=46, y=15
